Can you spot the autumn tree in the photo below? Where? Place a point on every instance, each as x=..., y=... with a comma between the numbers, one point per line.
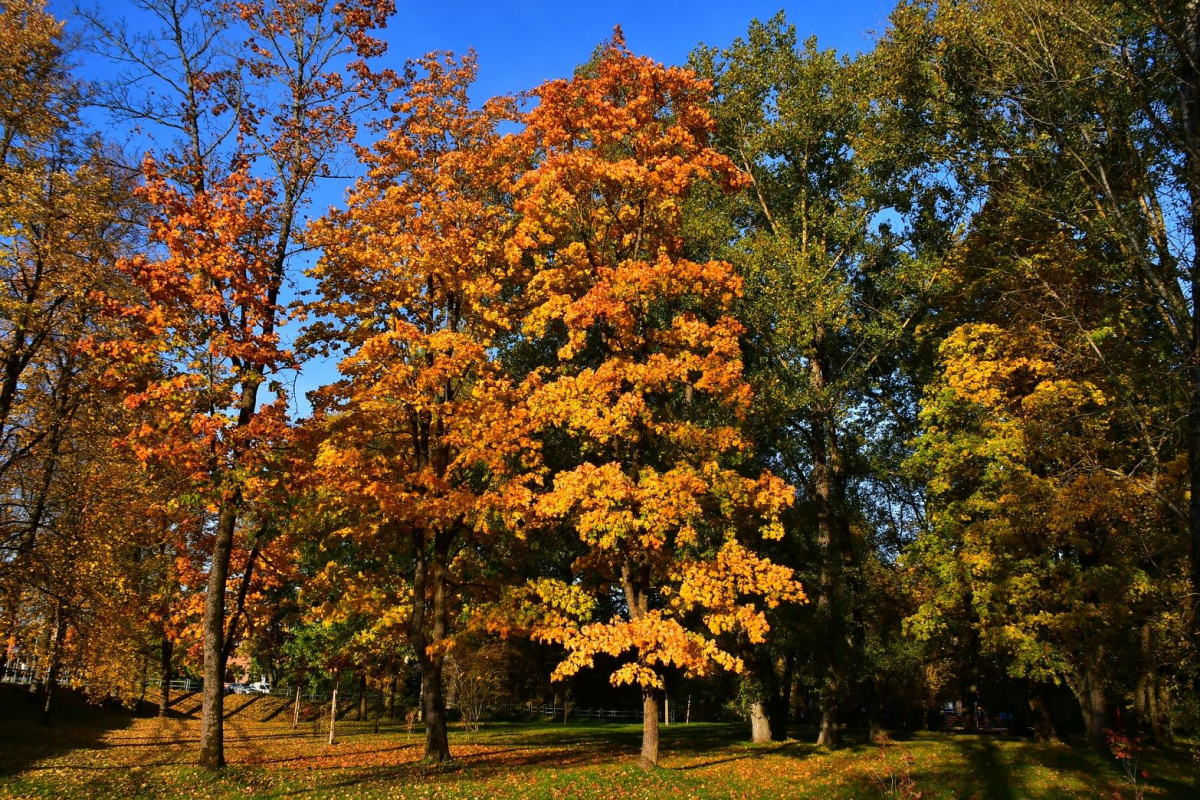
x=1090, y=109
x=424, y=448
x=66, y=216
x=831, y=303
x=254, y=134
x=66, y=236
x=1047, y=447
x=1038, y=528
x=61, y=224
x=645, y=384
x=87, y=586
x=38, y=104
x=1064, y=123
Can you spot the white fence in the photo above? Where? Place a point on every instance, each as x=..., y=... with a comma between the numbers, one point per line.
x=17, y=675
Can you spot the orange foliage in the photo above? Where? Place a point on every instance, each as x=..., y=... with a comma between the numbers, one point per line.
x=411, y=287
x=648, y=380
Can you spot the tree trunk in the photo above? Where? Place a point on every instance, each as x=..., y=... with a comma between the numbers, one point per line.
x=140, y=685
x=391, y=697
x=362, y=697
x=1094, y=717
x=635, y=583
x=649, y=757
x=166, y=653
x=760, y=722
x=296, y=709
x=8, y=623
x=1162, y=707
x=781, y=704
x=1146, y=693
x=1039, y=717
x=877, y=730
x=1088, y=689
x=761, y=685
x=437, y=745
x=830, y=733
x=60, y=630
x=835, y=550
x=36, y=668
x=212, y=722
x=429, y=595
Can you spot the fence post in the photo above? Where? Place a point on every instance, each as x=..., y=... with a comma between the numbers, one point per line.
x=296, y=710
x=333, y=711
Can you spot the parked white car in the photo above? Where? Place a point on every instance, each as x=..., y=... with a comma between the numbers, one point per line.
x=262, y=687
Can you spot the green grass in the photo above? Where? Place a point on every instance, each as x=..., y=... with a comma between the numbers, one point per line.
x=96, y=753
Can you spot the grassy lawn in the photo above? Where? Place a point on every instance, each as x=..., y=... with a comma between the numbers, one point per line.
x=95, y=753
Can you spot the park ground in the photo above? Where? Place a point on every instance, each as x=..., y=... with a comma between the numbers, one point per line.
x=97, y=753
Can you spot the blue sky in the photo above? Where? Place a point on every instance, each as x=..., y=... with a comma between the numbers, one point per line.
x=524, y=42
x=521, y=43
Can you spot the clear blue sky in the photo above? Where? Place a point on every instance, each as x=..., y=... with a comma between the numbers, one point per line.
x=521, y=43
x=524, y=42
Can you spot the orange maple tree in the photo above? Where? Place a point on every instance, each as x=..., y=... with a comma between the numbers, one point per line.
x=423, y=439
x=257, y=131
x=647, y=380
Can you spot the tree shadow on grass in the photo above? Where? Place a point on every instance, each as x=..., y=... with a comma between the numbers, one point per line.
x=988, y=775
x=182, y=705
x=1170, y=771
x=471, y=767
x=782, y=748
x=854, y=740
x=1000, y=769
x=1173, y=769
x=512, y=748
x=241, y=707
x=517, y=747
x=280, y=708
x=687, y=739
x=186, y=705
x=74, y=725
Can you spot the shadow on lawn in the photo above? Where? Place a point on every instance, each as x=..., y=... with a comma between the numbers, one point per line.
x=1173, y=768
x=74, y=725
x=481, y=766
x=792, y=749
x=998, y=769
x=1170, y=770
x=230, y=713
x=689, y=739
x=988, y=774
x=500, y=750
